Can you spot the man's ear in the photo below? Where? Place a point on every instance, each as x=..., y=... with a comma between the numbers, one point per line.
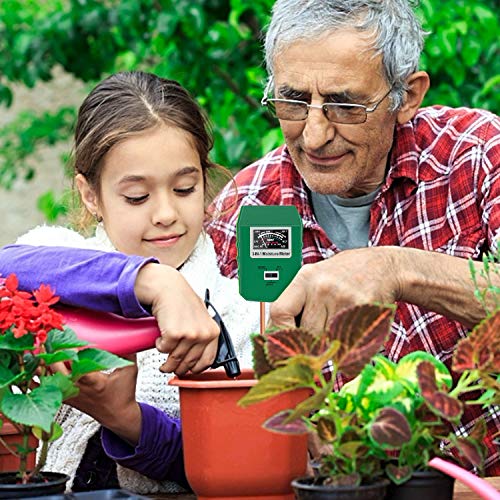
x=418, y=84
x=87, y=194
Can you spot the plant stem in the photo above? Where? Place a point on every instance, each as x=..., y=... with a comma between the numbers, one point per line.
x=7, y=447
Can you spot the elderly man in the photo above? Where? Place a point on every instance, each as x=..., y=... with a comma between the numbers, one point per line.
x=394, y=199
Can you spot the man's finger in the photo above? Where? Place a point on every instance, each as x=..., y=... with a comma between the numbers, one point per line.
x=288, y=305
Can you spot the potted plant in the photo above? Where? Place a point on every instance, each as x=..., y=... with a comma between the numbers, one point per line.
x=32, y=337
x=391, y=418
x=290, y=359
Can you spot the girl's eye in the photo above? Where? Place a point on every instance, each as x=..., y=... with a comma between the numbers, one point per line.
x=136, y=200
x=185, y=191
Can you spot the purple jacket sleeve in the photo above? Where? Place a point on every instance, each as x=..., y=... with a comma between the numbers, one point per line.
x=158, y=455
x=98, y=280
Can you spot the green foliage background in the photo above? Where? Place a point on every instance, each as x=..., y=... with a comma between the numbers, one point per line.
x=214, y=48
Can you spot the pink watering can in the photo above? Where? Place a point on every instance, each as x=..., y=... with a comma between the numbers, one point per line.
x=123, y=336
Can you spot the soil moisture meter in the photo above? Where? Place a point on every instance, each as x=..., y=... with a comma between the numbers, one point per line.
x=269, y=242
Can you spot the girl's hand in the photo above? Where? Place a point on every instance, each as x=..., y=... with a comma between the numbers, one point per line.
x=110, y=399
x=188, y=333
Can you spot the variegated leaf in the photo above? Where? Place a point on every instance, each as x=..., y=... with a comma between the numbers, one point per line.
x=278, y=423
x=313, y=403
x=471, y=450
x=261, y=365
x=406, y=369
x=398, y=475
x=463, y=357
x=361, y=331
x=439, y=402
x=280, y=380
x=283, y=344
x=390, y=428
x=326, y=430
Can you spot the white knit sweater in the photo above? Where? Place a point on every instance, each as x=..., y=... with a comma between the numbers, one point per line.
x=201, y=272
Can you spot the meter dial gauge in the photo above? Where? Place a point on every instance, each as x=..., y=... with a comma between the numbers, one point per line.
x=276, y=239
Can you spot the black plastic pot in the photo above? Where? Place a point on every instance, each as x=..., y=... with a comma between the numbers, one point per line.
x=109, y=494
x=423, y=485
x=53, y=483
x=306, y=490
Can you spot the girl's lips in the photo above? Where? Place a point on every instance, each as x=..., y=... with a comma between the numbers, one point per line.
x=165, y=241
x=324, y=160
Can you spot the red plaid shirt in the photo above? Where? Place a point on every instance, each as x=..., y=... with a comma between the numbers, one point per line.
x=442, y=194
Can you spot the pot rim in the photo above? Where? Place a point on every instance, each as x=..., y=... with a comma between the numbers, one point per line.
x=215, y=379
x=379, y=483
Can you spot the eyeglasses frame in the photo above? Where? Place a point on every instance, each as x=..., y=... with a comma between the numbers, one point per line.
x=324, y=107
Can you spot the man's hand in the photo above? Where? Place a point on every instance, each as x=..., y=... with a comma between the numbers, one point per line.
x=432, y=280
x=110, y=399
x=188, y=333
x=320, y=290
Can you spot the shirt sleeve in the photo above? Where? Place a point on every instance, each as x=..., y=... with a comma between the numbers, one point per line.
x=103, y=281
x=158, y=455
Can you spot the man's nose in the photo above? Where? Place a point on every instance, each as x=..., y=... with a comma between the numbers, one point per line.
x=318, y=130
x=164, y=212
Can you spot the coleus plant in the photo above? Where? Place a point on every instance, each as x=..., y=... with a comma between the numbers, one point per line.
x=32, y=337
x=391, y=418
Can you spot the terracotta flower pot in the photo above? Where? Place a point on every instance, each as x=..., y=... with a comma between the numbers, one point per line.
x=8, y=461
x=227, y=453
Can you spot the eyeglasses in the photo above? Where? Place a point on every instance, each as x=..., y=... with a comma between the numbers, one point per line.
x=292, y=110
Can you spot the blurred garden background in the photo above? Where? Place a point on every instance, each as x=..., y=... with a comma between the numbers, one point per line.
x=53, y=51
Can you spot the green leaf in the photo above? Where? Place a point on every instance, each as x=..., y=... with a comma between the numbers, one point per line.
x=91, y=360
x=39, y=407
x=64, y=355
x=11, y=343
x=65, y=339
x=63, y=383
x=55, y=433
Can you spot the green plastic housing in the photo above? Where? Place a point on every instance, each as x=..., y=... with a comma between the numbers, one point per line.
x=269, y=243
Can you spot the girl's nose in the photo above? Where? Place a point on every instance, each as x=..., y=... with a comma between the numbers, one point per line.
x=318, y=130
x=164, y=212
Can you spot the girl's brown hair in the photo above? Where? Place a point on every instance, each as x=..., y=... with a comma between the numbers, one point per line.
x=126, y=104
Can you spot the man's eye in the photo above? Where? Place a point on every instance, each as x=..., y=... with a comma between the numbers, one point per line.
x=294, y=95
x=136, y=200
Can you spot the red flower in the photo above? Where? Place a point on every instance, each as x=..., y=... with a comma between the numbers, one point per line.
x=11, y=283
x=45, y=295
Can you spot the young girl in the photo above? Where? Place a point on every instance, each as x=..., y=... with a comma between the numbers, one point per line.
x=142, y=171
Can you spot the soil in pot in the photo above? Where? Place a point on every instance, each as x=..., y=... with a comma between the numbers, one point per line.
x=227, y=452
x=428, y=485
x=305, y=489
x=50, y=484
